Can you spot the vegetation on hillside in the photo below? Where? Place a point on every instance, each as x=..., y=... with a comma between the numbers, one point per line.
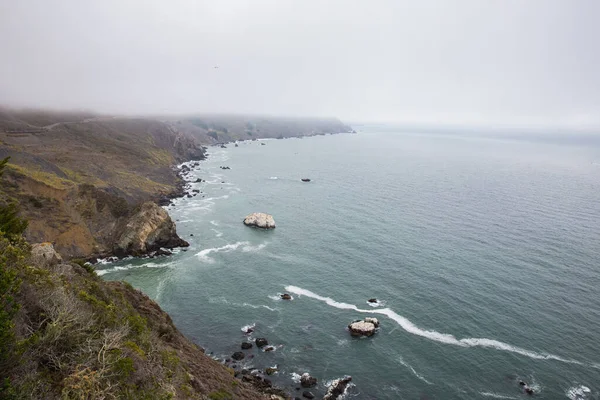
x=66, y=334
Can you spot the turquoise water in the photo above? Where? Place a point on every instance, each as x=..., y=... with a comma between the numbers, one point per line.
x=484, y=253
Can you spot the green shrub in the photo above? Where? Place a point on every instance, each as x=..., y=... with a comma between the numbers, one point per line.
x=220, y=394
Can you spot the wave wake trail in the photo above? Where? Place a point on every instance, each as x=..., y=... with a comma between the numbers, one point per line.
x=446, y=338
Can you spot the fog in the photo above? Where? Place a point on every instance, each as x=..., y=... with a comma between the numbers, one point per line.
x=528, y=63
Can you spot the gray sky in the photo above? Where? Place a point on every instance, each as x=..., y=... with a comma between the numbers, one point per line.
x=508, y=62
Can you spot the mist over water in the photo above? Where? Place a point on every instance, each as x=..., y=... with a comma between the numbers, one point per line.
x=482, y=251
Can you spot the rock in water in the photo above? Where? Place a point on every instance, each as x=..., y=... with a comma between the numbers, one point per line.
x=308, y=395
x=238, y=355
x=260, y=220
x=149, y=229
x=337, y=388
x=366, y=327
x=307, y=381
x=43, y=255
x=285, y=296
x=373, y=300
x=246, y=345
x=261, y=342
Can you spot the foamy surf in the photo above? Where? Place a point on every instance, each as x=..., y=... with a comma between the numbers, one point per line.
x=101, y=272
x=203, y=255
x=579, y=392
x=496, y=395
x=445, y=338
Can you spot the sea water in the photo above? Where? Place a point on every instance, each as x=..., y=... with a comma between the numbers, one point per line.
x=482, y=250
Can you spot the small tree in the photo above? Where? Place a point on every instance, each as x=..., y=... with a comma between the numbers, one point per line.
x=10, y=223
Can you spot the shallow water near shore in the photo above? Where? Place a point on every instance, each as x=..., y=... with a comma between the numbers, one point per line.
x=482, y=251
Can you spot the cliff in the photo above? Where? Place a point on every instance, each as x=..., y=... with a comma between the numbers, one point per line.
x=80, y=178
x=212, y=129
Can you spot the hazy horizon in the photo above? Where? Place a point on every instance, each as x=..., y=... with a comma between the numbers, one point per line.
x=506, y=64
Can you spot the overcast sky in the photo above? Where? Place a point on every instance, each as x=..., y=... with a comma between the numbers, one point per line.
x=511, y=62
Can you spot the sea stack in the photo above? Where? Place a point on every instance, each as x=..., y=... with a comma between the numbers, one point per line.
x=260, y=220
x=366, y=327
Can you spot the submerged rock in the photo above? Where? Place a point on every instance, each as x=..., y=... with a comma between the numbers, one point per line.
x=260, y=220
x=238, y=355
x=337, y=388
x=149, y=229
x=307, y=381
x=308, y=394
x=246, y=345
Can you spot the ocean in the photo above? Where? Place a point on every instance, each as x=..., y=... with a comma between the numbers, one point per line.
x=483, y=252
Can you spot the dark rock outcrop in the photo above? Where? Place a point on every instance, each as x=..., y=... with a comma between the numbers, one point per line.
x=308, y=395
x=238, y=355
x=261, y=342
x=337, y=388
x=307, y=381
x=246, y=345
x=286, y=296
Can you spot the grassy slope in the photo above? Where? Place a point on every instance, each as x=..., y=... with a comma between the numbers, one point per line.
x=78, y=337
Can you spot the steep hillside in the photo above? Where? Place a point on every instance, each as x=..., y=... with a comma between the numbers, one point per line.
x=67, y=334
x=77, y=180
x=227, y=128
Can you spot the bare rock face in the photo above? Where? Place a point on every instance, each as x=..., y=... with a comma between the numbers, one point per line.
x=149, y=229
x=260, y=220
x=43, y=255
x=366, y=327
x=337, y=388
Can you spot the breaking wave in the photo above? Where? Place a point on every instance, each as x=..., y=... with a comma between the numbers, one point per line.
x=446, y=338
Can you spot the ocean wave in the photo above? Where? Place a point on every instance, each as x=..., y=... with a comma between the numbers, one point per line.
x=578, y=392
x=253, y=249
x=496, y=395
x=203, y=255
x=214, y=223
x=445, y=338
x=217, y=233
x=273, y=178
x=415, y=373
x=101, y=272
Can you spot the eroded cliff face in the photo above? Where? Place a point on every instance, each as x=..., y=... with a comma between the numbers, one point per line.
x=83, y=221
x=148, y=229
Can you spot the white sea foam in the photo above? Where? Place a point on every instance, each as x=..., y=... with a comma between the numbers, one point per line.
x=295, y=377
x=496, y=395
x=203, y=255
x=217, y=233
x=446, y=338
x=253, y=249
x=378, y=303
x=273, y=177
x=214, y=223
x=578, y=392
x=101, y=272
x=415, y=373
x=246, y=327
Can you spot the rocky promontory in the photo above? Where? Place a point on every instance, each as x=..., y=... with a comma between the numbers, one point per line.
x=148, y=229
